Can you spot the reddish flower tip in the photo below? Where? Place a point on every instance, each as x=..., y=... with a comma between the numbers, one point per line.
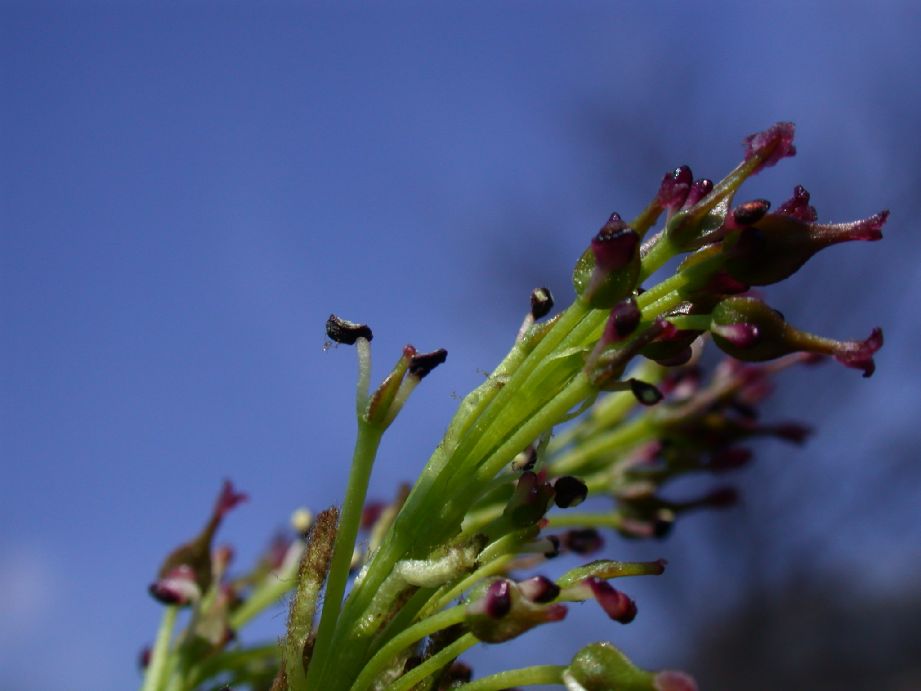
x=674, y=188
x=498, y=599
x=798, y=206
x=671, y=680
x=615, y=245
x=700, y=189
x=228, y=499
x=616, y=604
x=859, y=354
x=771, y=145
x=625, y=317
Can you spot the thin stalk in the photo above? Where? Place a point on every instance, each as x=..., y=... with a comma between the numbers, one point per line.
x=577, y=520
x=434, y=663
x=403, y=640
x=618, y=439
x=526, y=676
x=366, y=445
x=156, y=675
x=262, y=598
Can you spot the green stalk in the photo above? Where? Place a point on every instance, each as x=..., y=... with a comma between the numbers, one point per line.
x=403, y=640
x=526, y=676
x=155, y=678
x=366, y=445
x=434, y=663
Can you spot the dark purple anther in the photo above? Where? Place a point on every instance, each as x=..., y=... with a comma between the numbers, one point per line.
x=747, y=213
x=541, y=302
x=539, y=589
x=583, y=541
x=700, y=189
x=674, y=188
x=729, y=459
x=554, y=551
x=741, y=335
x=798, y=206
x=498, y=599
x=771, y=145
x=423, y=363
x=625, y=317
x=615, y=245
x=343, y=331
x=721, y=498
x=615, y=604
x=645, y=393
x=569, y=491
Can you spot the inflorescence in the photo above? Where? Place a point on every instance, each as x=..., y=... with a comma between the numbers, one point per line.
x=449, y=562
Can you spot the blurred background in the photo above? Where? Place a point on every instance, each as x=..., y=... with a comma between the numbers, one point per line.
x=187, y=190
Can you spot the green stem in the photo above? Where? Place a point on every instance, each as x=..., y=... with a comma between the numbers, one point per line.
x=526, y=676
x=231, y=660
x=434, y=663
x=660, y=251
x=366, y=445
x=155, y=678
x=578, y=520
x=388, y=653
x=618, y=439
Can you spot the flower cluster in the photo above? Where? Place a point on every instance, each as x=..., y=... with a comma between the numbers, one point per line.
x=452, y=561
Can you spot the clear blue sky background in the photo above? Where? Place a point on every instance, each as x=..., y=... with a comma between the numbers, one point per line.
x=187, y=190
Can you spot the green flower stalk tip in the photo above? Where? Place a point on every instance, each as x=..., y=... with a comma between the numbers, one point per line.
x=384, y=596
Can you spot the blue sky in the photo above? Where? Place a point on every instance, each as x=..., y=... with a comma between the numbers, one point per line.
x=187, y=190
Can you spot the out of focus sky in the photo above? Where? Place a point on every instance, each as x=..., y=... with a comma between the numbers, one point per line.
x=187, y=190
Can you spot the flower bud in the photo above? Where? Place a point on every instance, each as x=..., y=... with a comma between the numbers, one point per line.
x=674, y=188
x=186, y=573
x=700, y=189
x=499, y=611
x=602, y=667
x=625, y=317
x=583, y=541
x=749, y=330
x=776, y=246
x=609, y=269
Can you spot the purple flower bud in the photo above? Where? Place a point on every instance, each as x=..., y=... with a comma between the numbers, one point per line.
x=798, y=206
x=539, y=589
x=420, y=365
x=554, y=551
x=615, y=245
x=748, y=213
x=616, y=604
x=541, y=302
x=674, y=188
x=343, y=331
x=529, y=501
x=671, y=680
x=740, y=335
x=583, y=541
x=700, y=189
x=771, y=145
x=625, y=317
x=569, y=491
x=645, y=393
x=498, y=599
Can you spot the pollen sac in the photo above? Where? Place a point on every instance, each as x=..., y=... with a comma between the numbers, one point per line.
x=569, y=491
x=422, y=364
x=625, y=317
x=346, y=332
x=609, y=269
x=541, y=302
x=529, y=501
x=645, y=393
x=498, y=613
x=539, y=589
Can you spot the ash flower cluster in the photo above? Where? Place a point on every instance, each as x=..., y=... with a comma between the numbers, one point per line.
x=457, y=559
